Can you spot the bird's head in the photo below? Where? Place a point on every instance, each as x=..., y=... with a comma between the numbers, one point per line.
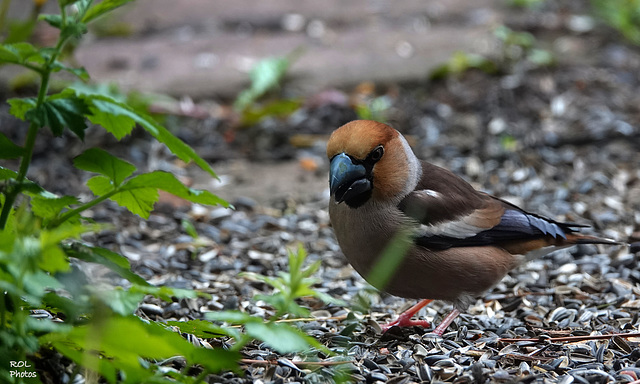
x=370, y=161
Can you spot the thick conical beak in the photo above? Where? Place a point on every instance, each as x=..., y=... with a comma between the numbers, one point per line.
x=346, y=179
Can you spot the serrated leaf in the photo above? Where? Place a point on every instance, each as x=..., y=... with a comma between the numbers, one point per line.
x=122, y=302
x=115, y=262
x=53, y=259
x=110, y=118
x=73, y=29
x=65, y=111
x=120, y=342
x=100, y=185
x=169, y=183
x=9, y=150
x=102, y=162
x=48, y=207
x=20, y=107
x=53, y=20
x=17, y=53
x=102, y=8
x=117, y=108
x=81, y=73
x=6, y=174
x=139, y=201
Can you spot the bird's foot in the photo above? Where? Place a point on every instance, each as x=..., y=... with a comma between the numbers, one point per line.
x=404, y=319
x=446, y=322
x=404, y=322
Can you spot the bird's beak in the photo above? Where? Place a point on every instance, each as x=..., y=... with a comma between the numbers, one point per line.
x=346, y=179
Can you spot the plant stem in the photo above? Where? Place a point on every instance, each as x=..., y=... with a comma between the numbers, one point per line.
x=82, y=208
x=32, y=134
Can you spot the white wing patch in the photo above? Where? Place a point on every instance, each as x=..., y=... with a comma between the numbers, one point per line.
x=457, y=229
x=429, y=192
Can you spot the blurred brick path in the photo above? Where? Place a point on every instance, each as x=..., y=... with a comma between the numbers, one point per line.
x=204, y=48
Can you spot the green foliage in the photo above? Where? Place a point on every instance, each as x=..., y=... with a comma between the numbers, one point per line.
x=292, y=285
x=526, y=3
x=266, y=76
x=623, y=15
x=96, y=326
x=461, y=62
x=516, y=47
x=375, y=109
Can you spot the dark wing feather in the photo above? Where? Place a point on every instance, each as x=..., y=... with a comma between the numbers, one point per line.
x=453, y=214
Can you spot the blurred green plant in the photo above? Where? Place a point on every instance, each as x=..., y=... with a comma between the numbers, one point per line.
x=462, y=62
x=40, y=236
x=525, y=3
x=515, y=47
x=18, y=30
x=266, y=76
x=292, y=285
x=623, y=15
x=376, y=108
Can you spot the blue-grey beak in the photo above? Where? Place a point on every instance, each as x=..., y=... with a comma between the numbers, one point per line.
x=346, y=179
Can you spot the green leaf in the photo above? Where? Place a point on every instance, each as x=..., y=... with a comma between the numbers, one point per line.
x=102, y=162
x=50, y=206
x=110, y=105
x=73, y=29
x=65, y=111
x=204, y=329
x=115, y=262
x=265, y=76
x=168, y=293
x=9, y=150
x=19, y=30
x=18, y=53
x=122, y=302
x=139, y=201
x=53, y=20
x=140, y=193
x=169, y=183
x=20, y=107
x=281, y=337
x=102, y=8
x=6, y=174
x=53, y=258
x=109, y=117
x=81, y=73
x=121, y=341
x=231, y=317
x=100, y=185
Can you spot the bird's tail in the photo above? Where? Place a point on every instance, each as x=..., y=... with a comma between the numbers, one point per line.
x=575, y=238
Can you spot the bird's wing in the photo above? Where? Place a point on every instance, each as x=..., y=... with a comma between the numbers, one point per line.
x=453, y=214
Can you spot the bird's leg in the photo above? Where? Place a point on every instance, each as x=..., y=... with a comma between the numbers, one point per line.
x=404, y=319
x=446, y=322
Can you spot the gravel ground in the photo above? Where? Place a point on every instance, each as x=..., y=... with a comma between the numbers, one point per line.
x=561, y=141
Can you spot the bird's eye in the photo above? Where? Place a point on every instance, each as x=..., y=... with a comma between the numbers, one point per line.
x=377, y=153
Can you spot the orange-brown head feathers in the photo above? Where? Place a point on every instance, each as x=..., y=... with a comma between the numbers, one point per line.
x=380, y=152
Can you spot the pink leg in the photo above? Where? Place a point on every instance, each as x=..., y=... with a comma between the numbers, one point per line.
x=446, y=322
x=404, y=319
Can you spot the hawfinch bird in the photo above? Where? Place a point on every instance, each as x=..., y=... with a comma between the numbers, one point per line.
x=416, y=230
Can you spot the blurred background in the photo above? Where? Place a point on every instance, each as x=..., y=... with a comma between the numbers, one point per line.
x=501, y=91
x=536, y=101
